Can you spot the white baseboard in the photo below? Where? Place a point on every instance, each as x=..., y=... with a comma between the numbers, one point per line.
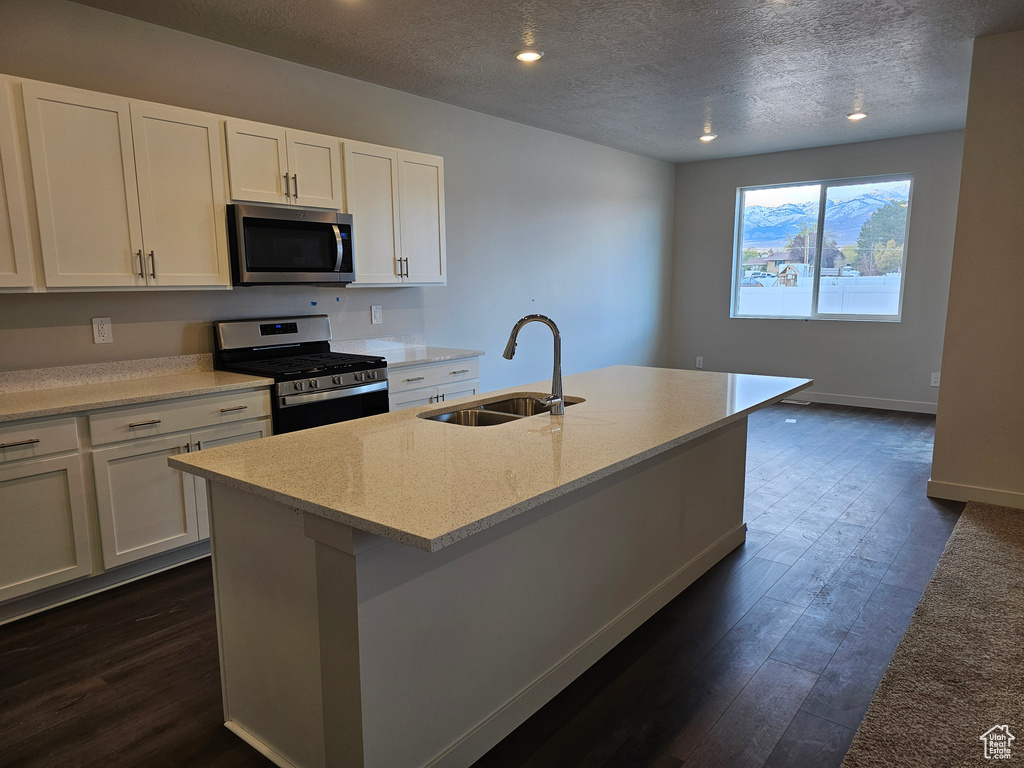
x=258, y=745
x=885, y=404
x=958, y=492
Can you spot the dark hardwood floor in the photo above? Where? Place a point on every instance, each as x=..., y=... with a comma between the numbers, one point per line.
x=770, y=659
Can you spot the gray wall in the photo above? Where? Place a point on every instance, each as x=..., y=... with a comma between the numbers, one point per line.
x=537, y=222
x=885, y=365
x=979, y=450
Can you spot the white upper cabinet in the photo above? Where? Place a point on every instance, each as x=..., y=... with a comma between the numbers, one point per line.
x=396, y=199
x=83, y=170
x=371, y=190
x=269, y=164
x=180, y=169
x=15, y=248
x=315, y=164
x=129, y=194
x=421, y=203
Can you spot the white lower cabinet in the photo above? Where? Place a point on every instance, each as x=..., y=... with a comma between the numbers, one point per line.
x=44, y=528
x=413, y=386
x=145, y=507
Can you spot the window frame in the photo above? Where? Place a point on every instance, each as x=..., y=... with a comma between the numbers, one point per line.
x=825, y=184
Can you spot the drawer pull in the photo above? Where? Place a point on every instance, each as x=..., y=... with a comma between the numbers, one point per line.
x=236, y=408
x=416, y=378
x=144, y=423
x=33, y=441
x=464, y=370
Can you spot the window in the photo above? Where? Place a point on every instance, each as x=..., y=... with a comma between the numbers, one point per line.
x=857, y=226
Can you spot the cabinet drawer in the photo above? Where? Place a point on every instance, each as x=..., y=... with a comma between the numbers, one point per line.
x=168, y=416
x=433, y=374
x=25, y=441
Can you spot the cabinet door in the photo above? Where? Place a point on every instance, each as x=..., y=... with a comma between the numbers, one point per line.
x=15, y=253
x=414, y=398
x=44, y=536
x=144, y=506
x=421, y=204
x=211, y=438
x=83, y=171
x=315, y=164
x=257, y=162
x=458, y=389
x=181, y=195
x=371, y=195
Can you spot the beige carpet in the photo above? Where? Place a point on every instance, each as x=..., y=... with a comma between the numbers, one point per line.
x=959, y=669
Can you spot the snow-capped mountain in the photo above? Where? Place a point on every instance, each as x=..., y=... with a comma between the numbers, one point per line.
x=765, y=227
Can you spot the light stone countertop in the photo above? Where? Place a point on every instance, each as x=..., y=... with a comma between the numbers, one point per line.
x=429, y=484
x=399, y=354
x=35, y=403
x=400, y=358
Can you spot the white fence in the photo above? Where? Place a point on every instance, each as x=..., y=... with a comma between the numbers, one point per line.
x=837, y=296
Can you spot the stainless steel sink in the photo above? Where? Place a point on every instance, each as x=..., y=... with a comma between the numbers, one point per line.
x=474, y=417
x=520, y=406
x=488, y=414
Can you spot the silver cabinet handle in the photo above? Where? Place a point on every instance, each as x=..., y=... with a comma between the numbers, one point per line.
x=33, y=441
x=287, y=192
x=152, y=264
x=295, y=183
x=406, y=260
x=416, y=378
x=236, y=408
x=144, y=423
x=142, y=270
x=464, y=370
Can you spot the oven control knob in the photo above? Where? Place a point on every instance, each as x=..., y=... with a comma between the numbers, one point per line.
x=300, y=385
x=336, y=379
x=314, y=384
x=372, y=374
x=360, y=376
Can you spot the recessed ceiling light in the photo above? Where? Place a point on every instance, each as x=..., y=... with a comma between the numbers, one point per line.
x=529, y=55
x=709, y=137
x=856, y=116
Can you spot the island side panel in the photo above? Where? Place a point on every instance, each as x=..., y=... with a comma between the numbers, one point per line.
x=460, y=646
x=265, y=581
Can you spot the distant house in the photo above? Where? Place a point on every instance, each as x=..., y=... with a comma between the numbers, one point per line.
x=771, y=263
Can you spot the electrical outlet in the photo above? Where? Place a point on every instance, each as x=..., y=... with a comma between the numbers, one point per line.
x=700, y=362
x=935, y=379
x=102, y=331
x=376, y=314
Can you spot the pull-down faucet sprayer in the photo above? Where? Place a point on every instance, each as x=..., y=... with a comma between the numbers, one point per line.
x=555, y=399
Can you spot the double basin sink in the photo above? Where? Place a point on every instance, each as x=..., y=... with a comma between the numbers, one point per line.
x=519, y=406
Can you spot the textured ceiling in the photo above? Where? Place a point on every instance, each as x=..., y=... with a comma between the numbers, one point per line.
x=642, y=75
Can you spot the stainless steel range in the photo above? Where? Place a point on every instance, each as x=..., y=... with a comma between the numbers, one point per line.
x=313, y=385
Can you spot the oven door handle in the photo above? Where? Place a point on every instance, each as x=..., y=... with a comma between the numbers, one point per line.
x=316, y=397
x=340, y=247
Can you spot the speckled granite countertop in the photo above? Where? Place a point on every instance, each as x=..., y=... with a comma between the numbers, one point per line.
x=429, y=484
x=400, y=355
x=52, y=401
x=399, y=358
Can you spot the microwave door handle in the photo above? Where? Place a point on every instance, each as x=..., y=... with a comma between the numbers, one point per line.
x=341, y=247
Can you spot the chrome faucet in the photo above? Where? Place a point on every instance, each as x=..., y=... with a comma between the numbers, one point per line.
x=555, y=399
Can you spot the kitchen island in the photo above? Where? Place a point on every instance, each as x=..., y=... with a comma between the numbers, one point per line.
x=396, y=591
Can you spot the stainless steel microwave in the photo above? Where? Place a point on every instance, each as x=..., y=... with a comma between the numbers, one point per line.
x=275, y=244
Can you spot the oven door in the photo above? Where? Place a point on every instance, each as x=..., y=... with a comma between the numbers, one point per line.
x=314, y=409
x=290, y=245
